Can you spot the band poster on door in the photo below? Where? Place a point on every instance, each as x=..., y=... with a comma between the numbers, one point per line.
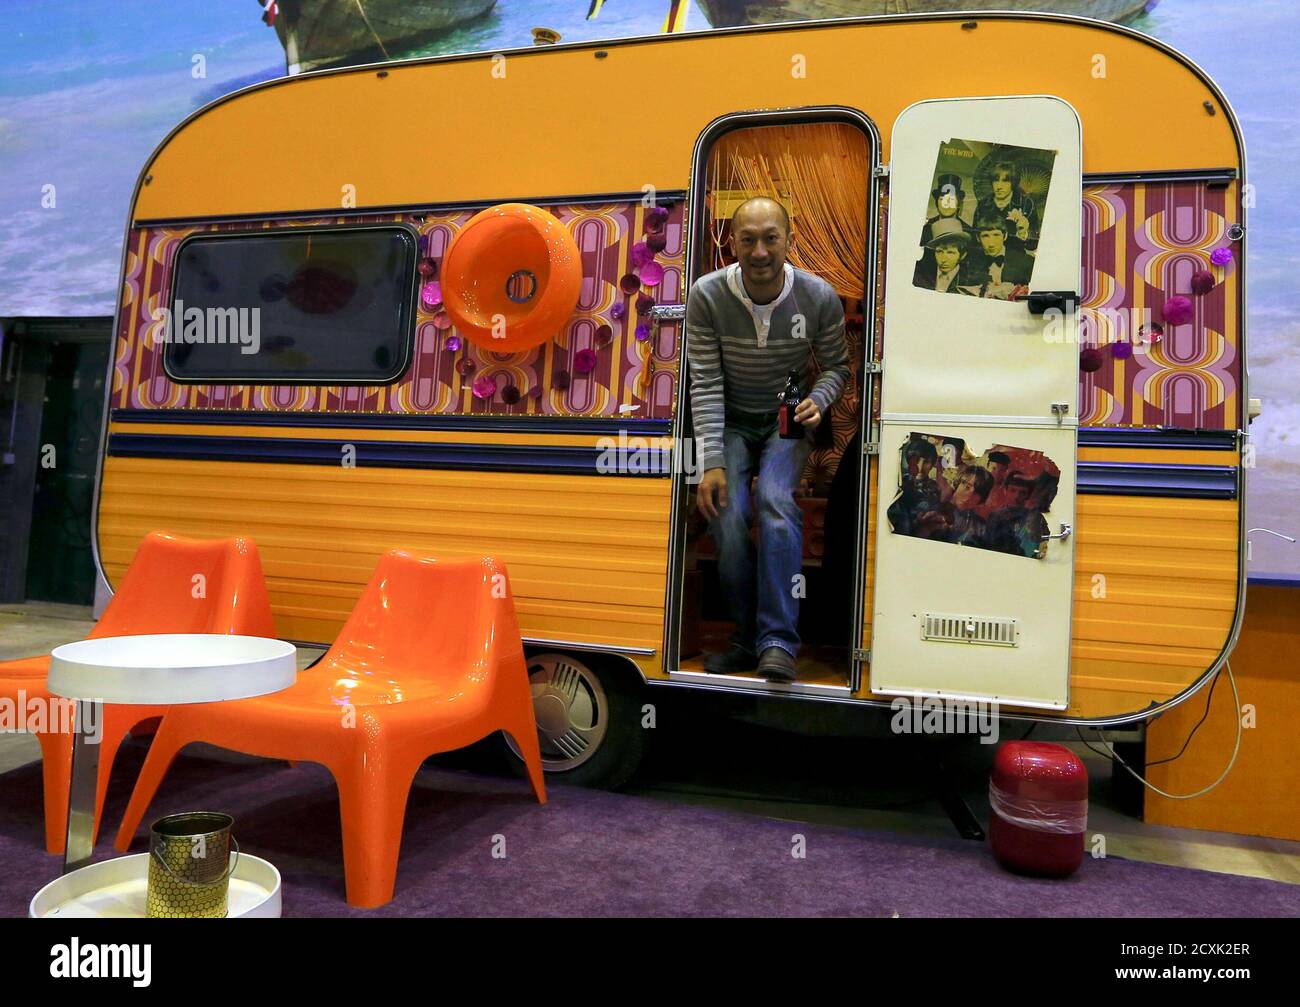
x=983, y=218
x=995, y=502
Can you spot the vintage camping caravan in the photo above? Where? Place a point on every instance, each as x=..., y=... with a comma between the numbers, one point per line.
x=382, y=219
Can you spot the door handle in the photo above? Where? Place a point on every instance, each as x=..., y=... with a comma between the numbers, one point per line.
x=1064, y=301
x=1065, y=533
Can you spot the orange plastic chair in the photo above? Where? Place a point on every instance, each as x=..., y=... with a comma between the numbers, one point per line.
x=173, y=585
x=430, y=660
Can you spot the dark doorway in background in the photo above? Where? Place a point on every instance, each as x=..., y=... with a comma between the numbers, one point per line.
x=60, y=564
x=51, y=403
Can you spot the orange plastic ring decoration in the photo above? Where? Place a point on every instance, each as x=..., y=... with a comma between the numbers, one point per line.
x=511, y=277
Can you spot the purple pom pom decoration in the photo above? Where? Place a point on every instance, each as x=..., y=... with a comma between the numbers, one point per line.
x=1221, y=256
x=465, y=367
x=1090, y=360
x=427, y=268
x=655, y=219
x=652, y=274
x=656, y=242
x=1177, y=310
x=510, y=394
x=1202, y=282
x=619, y=311
x=642, y=332
x=431, y=294
x=630, y=283
x=584, y=361
x=442, y=320
x=452, y=343
x=484, y=387
x=644, y=303
x=1121, y=350
x=641, y=254
x=604, y=335
x=422, y=243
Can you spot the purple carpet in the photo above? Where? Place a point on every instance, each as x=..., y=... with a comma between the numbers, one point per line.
x=592, y=853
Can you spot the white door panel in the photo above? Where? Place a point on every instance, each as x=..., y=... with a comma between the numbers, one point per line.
x=958, y=611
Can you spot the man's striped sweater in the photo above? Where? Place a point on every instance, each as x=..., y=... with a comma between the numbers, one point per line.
x=734, y=368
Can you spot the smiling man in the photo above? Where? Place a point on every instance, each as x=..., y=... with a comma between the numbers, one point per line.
x=748, y=326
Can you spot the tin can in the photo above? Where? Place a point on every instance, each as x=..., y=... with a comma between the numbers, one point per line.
x=190, y=865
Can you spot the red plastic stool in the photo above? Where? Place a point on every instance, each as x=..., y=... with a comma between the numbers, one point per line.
x=1039, y=797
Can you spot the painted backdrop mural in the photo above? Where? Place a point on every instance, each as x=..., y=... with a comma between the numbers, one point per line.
x=88, y=89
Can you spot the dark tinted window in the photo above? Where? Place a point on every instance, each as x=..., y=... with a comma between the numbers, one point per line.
x=303, y=306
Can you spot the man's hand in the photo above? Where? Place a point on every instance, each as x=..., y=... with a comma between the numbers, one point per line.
x=808, y=414
x=931, y=524
x=1022, y=224
x=714, y=480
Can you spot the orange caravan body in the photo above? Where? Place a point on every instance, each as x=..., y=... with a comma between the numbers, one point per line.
x=472, y=342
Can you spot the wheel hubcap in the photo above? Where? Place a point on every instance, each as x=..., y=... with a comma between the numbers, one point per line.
x=571, y=709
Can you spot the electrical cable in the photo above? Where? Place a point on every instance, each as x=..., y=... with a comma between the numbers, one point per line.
x=1188, y=741
x=1236, y=748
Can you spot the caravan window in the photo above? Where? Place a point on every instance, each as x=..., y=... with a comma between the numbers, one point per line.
x=292, y=306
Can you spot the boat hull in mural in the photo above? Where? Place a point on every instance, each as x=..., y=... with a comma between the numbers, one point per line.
x=731, y=13
x=321, y=33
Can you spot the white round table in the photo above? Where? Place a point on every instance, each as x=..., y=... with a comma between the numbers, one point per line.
x=157, y=670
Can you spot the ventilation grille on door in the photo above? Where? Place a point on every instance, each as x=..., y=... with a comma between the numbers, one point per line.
x=969, y=629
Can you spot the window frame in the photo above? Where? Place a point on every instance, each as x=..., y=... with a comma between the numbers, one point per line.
x=406, y=348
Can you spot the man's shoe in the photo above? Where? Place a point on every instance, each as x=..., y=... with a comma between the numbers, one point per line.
x=732, y=660
x=776, y=665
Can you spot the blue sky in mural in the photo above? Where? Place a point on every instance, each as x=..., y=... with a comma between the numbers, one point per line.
x=88, y=89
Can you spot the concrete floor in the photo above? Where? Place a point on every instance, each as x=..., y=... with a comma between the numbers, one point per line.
x=846, y=782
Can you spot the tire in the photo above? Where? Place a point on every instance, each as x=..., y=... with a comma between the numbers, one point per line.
x=588, y=719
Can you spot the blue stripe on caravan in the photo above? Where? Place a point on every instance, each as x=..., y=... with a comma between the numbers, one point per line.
x=635, y=426
x=652, y=462
x=1157, y=437
x=1212, y=482
x=1204, y=482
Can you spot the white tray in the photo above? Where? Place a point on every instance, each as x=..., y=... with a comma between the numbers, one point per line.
x=171, y=668
x=116, y=888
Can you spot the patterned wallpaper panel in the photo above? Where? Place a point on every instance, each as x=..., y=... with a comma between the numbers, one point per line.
x=628, y=372
x=1142, y=243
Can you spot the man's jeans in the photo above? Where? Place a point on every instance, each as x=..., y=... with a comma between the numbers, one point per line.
x=764, y=607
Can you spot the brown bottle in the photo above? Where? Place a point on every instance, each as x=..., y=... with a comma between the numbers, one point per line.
x=789, y=427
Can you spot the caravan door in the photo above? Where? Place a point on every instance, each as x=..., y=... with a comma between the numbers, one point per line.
x=975, y=503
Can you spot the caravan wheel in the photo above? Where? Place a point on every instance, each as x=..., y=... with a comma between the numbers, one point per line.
x=588, y=721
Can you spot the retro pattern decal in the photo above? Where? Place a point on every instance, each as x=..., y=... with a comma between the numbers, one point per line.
x=1142, y=243
x=631, y=377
